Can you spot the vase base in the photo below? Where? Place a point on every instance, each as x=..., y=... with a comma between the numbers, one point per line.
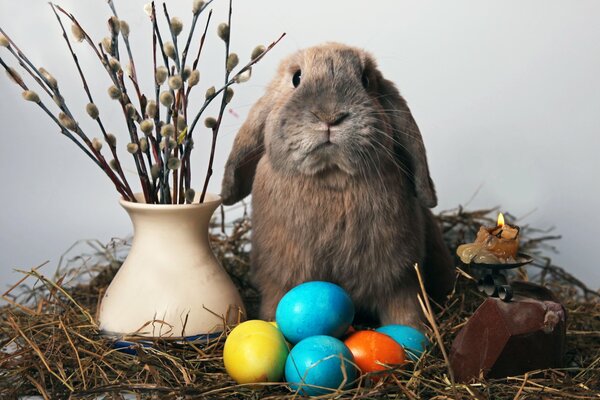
x=131, y=344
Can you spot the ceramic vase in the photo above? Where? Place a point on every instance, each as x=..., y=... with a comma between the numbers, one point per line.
x=170, y=285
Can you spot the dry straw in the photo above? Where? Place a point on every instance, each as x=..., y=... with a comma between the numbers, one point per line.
x=51, y=346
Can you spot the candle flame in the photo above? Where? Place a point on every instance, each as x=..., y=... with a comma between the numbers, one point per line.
x=500, y=219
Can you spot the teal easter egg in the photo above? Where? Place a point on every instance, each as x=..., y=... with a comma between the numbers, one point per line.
x=314, y=308
x=413, y=341
x=318, y=365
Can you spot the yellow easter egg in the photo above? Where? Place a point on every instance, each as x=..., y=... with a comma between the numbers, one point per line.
x=255, y=351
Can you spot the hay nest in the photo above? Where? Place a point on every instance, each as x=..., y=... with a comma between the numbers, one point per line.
x=50, y=345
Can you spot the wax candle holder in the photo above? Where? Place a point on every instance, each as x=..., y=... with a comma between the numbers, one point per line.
x=494, y=282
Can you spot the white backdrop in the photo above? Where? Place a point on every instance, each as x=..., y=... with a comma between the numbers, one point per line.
x=506, y=93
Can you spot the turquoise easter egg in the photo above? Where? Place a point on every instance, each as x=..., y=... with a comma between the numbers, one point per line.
x=314, y=308
x=413, y=341
x=319, y=363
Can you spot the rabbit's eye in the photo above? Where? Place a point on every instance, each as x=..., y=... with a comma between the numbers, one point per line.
x=365, y=80
x=296, y=78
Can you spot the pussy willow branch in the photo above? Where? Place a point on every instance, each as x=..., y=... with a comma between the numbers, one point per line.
x=133, y=76
x=215, y=129
x=231, y=82
x=41, y=104
x=216, y=94
x=89, y=95
x=159, y=160
x=68, y=134
x=28, y=70
x=174, y=38
x=186, y=160
x=193, y=26
x=164, y=181
x=24, y=62
x=182, y=186
x=124, y=100
x=60, y=102
x=177, y=104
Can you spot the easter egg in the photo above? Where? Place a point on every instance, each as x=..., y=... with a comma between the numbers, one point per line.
x=255, y=351
x=314, y=308
x=372, y=351
x=413, y=341
x=317, y=363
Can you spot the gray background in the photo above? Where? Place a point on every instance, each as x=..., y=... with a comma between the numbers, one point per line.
x=506, y=94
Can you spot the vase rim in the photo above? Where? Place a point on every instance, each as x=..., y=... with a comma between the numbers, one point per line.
x=211, y=199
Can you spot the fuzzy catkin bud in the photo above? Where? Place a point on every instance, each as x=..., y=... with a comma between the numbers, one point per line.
x=228, y=95
x=210, y=92
x=185, y=74
x=114, y=26
x=130, y=109
x=111, y=140
x=244, y=76
x=174, y=163
x=176, y=26
x=175, y=82
x=77, y=33
x=113, y=164
x=154, y=171
x=181, y=125
x=114, y=92
x=92, y=110
x=114, y=64
x=67, y=121
x=146, y=126
x=151, y=109
x=148, y=9
x=189, y=195
x=30, y=95
x=97, y=144
x=124, y=28
x=4, y=41
x=223, y=31
x=170, y=143
x=169, y=50
x=143, y=144
x=167, y=130
x=258, y=50
x=161, y=74
x=194, y=78
x=107, y=45
x=197, y=6
x=166, y=99
x=132, y=148
x=51, y=80
x=210, y=122
x=232, y=61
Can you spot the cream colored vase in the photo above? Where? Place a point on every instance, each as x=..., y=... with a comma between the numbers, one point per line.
x=170, y=285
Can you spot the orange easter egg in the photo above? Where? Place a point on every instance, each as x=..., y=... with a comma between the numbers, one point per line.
x=372, y=351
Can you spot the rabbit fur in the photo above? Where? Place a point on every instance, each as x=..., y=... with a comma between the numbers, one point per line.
x=340, y=187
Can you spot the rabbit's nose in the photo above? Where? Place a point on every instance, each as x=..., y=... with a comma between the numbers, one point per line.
x=331, y=118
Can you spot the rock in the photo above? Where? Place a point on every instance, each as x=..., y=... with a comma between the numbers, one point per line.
x=510, y=338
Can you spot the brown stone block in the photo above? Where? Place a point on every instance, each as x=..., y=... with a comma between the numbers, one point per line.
x=510, y=338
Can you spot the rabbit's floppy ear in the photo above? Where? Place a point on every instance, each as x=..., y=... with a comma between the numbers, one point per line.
x=248, y=149
x=408, y=141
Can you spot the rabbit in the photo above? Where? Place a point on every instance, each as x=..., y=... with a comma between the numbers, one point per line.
x=340, y=187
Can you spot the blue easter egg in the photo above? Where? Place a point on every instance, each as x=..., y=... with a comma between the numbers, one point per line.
x=321, y=361
x=413, y=341
x=314, y=308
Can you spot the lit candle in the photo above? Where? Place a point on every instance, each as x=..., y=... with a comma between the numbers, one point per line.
x=493, y=245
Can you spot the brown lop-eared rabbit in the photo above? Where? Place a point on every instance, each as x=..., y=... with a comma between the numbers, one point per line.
x=340, y=187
